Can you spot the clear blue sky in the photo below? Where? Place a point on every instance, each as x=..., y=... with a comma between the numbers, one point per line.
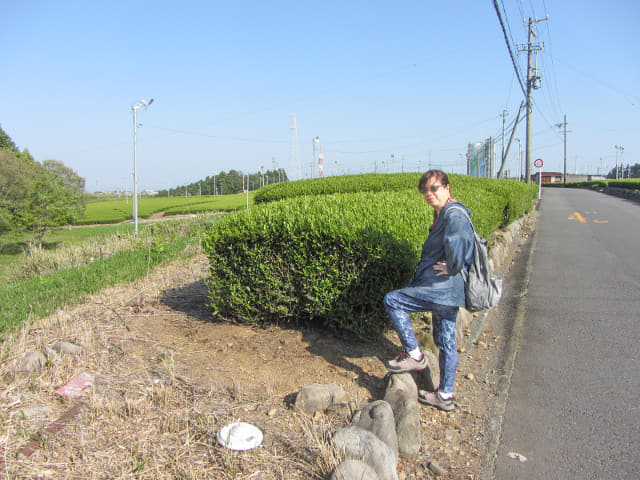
x=414, y=79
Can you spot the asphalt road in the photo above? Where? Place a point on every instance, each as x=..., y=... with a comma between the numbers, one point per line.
x=573, y=405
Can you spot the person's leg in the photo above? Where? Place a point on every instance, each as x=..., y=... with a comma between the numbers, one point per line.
x=398, y=305
x=444, y=336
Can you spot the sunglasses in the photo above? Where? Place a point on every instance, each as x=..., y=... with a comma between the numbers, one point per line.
x=430, y=188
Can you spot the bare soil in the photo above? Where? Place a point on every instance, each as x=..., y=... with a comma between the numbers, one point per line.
x=168, y=375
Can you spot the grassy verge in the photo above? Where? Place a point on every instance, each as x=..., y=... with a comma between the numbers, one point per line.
x=42, y=295
x=120, y=210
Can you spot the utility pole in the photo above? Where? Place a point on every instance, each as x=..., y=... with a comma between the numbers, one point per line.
x=564, y=126
x=533, y=82
x=504, y=117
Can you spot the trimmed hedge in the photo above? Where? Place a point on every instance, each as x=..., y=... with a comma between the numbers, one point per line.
x=372, y=182
x=328, y=260
x=630, y=184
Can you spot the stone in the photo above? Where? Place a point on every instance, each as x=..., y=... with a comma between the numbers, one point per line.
x=318, y=397
x=436, y=468
x=429, y=378
x=66, y=348
x=377, y=417
x=356, y=443
x=402, y=395
x=50, y=354
x=31, y=362
x=354, y=470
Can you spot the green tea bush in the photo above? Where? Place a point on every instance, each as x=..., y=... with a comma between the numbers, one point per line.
x=518, y=196
x=327, y=260
x=631, y=183
x=372, y=182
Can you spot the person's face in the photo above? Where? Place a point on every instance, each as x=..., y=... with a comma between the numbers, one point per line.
x=435, y=194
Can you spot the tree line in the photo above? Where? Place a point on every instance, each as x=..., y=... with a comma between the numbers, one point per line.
x=225, y=183
x=628, y=171
x=34, y=196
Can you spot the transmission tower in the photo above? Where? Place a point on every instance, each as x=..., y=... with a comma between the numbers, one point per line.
x=294, y=154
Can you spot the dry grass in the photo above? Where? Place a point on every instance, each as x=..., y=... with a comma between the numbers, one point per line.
x=144, y=418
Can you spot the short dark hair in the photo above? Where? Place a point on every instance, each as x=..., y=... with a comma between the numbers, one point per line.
x=439, y=175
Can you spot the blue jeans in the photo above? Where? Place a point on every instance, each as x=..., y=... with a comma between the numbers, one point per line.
x=398, y=306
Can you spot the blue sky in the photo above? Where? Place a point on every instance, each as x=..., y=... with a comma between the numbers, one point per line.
x=386, y=86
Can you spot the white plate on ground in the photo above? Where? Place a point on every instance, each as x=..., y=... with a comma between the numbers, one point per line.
x=239, y=436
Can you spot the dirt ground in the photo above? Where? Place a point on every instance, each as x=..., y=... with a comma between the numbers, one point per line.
x=168, y=376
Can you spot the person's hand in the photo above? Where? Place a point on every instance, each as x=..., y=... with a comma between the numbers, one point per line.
x=441, y=268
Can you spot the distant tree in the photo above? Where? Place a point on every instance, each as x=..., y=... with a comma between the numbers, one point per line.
x=17, y=172
x=56, y=198
x=626, y=172
x=6, y=144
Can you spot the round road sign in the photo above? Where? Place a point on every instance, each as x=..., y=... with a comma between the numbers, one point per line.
x=538, y=163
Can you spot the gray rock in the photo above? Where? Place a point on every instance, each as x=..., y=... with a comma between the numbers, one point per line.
x=359, y=444
x=429, y=378
x=402, y=395
x=377, y=417
x=495, y=254
x=354, y=470
x=50, y=354
x=31, y=362
x=66, y=348
x=318, y=397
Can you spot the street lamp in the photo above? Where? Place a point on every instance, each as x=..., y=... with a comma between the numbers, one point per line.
x=621, y=150
x=141, y=103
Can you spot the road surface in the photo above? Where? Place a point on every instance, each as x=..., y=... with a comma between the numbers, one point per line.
x=573, y=405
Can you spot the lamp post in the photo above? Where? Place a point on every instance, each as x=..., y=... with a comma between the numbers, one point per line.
x=141, y=103
x=621, y=150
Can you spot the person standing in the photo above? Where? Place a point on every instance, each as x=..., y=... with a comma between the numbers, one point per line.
x=438, y=287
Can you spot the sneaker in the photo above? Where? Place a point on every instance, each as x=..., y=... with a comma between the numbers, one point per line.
x=406, y=363
x=435, y=400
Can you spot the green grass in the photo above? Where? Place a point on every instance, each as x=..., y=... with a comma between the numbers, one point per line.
x=120, y=210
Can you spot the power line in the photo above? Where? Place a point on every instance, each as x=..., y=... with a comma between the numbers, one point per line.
x=506, y=39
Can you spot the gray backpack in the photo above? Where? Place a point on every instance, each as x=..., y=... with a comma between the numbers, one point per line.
x=482, y=290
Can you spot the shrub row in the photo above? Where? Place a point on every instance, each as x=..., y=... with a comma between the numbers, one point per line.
x=372, y=182
x=328, y=260
x=631, y=184
x=518, y=196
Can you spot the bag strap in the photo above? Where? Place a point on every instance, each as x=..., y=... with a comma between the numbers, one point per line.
x=458, y=207
x=464, y=211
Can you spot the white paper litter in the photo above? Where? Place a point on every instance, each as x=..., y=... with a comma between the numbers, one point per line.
x=239, y=436
x=517, y=456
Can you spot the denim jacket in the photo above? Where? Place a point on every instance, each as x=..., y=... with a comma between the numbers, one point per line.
x=450, y=240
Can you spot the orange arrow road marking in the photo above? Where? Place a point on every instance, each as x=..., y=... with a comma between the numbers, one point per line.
x=577, y=216
x=601, y=221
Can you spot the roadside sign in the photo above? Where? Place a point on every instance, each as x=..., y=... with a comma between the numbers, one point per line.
x=538, y=163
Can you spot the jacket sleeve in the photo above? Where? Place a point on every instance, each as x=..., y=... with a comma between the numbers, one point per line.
x=458, y=241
